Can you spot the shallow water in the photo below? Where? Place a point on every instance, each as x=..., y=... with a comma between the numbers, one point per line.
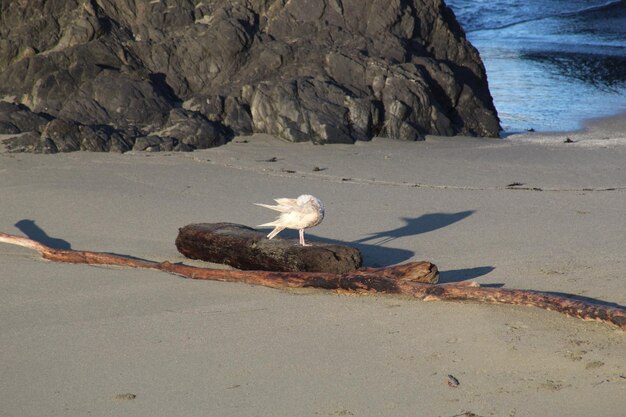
x=550, y=64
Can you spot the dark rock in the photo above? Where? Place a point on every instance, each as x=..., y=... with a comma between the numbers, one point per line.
x=324, y=71
x=364, y=118
x=211, y=107
x=120, y=143
x=8, y=128
x=118, y=99
x=94, y=139
x=46, y=146
x=60, y=135
x=154, y=143
x=17, y=118
x=301, y=110
x=69, y=136
x=194, y=130
x=64, y=134
x=245, y=248
x=237, y=116
x=26, y=142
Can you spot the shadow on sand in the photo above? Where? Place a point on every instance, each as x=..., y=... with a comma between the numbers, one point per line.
x=418, y=225
x=467, y=274
x=36, y=233
x=587, y=299
x=392, y=256
x=375, y=255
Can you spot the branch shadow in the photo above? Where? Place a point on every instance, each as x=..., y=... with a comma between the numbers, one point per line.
x=467, y=274
x=36, y=233
x=418, y=225
x=586, y=299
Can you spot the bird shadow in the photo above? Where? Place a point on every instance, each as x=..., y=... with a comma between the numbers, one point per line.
x=417, y=225
x=36, y=233
x=376, y=255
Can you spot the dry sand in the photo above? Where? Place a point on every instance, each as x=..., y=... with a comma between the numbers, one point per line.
x=77, y=340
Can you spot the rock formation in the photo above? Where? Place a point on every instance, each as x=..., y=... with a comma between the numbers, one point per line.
x=114, y=75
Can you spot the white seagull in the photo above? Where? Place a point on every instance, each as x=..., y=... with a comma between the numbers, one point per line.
x=296, y=213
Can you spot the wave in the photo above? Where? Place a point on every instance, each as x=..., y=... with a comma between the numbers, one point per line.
x=609, y=6
x=606, y=7
x=550, y=64
x=606, y=73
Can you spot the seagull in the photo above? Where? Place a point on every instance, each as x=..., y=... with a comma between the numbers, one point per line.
x=296, y=213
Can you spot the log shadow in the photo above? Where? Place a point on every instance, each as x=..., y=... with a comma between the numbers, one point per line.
x=36, y=233
x=467, y=274
x=373, y=255
x=418, y=225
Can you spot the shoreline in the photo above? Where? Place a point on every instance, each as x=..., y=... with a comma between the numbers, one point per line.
x=595, y=131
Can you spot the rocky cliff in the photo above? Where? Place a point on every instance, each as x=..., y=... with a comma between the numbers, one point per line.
x=115, y=75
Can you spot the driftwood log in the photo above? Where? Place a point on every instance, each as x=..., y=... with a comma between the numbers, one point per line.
x=402, y=280
x=245, y=248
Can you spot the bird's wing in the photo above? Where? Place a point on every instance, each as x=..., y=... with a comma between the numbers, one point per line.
x=270, y=224
x=286, y=201
x=282, y=209
x=285, y=205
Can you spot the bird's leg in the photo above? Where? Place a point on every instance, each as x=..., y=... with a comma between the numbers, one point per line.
x=302, y=238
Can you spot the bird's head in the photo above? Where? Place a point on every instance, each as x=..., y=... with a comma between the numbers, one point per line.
x=306, y=199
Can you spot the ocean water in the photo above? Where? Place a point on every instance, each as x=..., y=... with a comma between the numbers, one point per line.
x=551, y=64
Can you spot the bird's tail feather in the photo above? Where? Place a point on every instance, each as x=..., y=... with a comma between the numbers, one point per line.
x=276, y=231
x=270, y=224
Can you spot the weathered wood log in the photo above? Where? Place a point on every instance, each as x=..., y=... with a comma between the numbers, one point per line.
x=391, y=280
x=245, y=248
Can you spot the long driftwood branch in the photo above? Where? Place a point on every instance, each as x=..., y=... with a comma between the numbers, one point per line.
x=402, y=279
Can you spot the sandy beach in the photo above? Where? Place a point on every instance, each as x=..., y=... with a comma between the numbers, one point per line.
x=530, y=212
